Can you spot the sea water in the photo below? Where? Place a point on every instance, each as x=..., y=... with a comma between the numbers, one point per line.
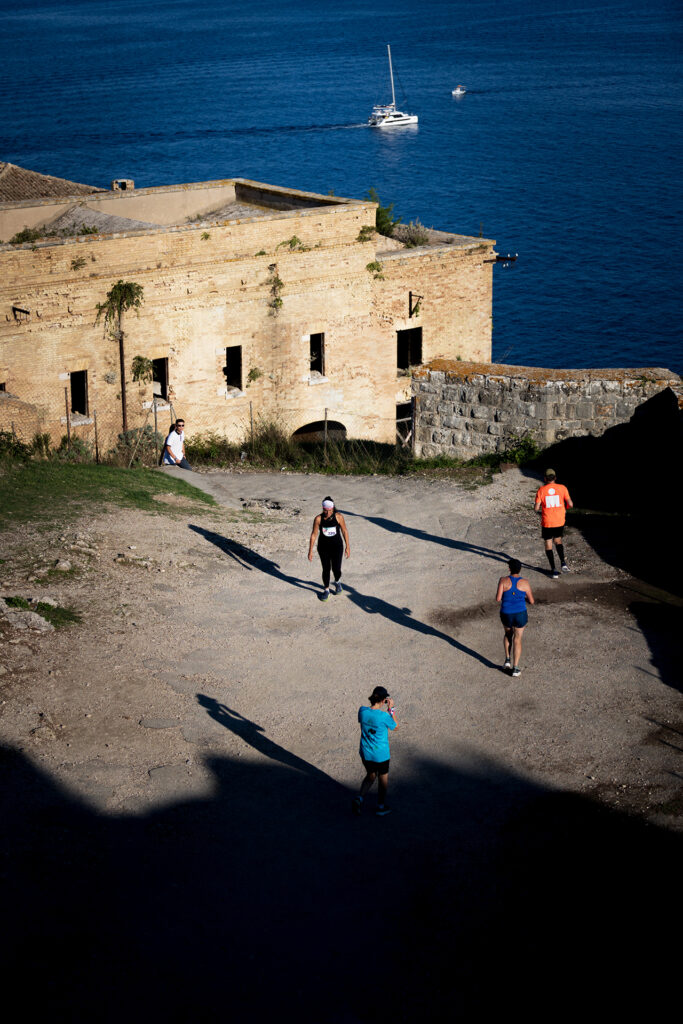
x=566, y=149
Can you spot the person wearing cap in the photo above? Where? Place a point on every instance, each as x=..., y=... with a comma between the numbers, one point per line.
x=376, y=722
x=512, y=594
x=329, y=527
x=552, y=500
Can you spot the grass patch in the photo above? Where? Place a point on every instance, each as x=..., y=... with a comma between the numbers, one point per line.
x=53, y=614
x=42, y=492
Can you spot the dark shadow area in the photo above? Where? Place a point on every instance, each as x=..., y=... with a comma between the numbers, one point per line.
x=410, y=531
x=403, y=617
x=661, y=623
x=483, y=895
x=249, y=559
x=624, y=482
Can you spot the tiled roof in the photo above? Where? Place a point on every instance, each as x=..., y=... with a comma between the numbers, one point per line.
x=18, y=183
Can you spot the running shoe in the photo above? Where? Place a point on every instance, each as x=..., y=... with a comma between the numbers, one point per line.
x=337, y=588
x=565, y=567
x=555, y=575
x=325, y=595
x=507, y=664
x=357, y=805
x=382, y=812
x=516, y=671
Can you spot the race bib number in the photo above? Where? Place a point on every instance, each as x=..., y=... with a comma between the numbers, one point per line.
x=330, y=531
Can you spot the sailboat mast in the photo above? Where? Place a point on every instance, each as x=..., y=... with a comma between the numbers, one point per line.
x=391, y=75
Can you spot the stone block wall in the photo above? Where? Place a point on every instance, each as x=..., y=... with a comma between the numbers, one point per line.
x=467, y=409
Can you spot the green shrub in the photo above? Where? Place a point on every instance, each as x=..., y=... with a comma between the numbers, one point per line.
x=384, y=222
x=26, y=235
x=12, y=449
x=139, y=440
x=365, y=233
x=414, y=234
x=77, y=450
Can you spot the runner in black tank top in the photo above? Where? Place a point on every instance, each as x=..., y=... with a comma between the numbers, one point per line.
x=329, y=528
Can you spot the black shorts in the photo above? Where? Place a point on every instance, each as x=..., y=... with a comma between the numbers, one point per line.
x=551, y=531
x=381, y=767
x=514, y=620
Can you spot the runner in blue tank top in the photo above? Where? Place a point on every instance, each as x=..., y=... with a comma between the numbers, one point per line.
x=513, y=593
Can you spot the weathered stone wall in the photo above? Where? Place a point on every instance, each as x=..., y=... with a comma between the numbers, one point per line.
x=466, y=409
x=210, y=287
x=20, y=418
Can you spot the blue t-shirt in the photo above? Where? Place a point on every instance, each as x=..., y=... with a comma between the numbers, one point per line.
x=375, y=727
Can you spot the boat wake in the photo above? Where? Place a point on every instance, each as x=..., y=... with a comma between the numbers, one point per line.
x=273, y=129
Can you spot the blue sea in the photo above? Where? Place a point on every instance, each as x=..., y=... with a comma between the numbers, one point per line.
x=567, y=148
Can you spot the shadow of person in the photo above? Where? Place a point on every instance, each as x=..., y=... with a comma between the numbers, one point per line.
x=250, y=559
x=432, y=538
x=254, y=736
x=403, y=617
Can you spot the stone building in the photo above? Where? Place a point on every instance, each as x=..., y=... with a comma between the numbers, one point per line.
x=257, y=300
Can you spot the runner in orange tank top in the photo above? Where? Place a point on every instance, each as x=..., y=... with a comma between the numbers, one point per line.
x=552, y=500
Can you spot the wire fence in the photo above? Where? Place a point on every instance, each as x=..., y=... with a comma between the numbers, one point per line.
x=249, y=434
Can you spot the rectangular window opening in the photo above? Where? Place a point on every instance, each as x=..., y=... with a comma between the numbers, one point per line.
x=3, y=386
x=317, y=354
x=404, y=420
x=408, y=348
x=160, y=378
x=79, y=392
x=233, y=367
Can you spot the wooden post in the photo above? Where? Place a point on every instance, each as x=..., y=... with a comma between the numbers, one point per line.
x=156, y=437
x=251, y=417
x=413, y=417
x=68, y=418
x=97, y=449
x=122, y=360
x=325, y=435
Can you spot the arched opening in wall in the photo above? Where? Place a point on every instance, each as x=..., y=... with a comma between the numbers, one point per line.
x=316, y=431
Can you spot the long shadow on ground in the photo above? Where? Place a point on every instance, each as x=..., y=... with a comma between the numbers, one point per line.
x=483, y=896
x=410, y=531
x=403, y=617
x=249, y=559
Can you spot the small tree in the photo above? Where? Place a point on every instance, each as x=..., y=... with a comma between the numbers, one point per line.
x=384, y=222
x=122, y=296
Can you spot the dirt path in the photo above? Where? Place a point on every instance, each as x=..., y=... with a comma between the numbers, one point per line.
x=205, y=664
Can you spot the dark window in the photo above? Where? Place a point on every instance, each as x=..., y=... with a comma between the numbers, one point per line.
x=318, y=354
x=408, y=348
x=233, y=367
x=160, y=378
x=79, y=392
x=404, y=420
x=3, y=387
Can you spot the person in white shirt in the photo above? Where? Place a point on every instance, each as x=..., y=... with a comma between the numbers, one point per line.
x=174, y=447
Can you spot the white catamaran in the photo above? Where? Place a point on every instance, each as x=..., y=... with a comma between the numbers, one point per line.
x=386, y=115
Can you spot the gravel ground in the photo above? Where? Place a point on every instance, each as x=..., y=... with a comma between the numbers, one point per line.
x=208, y=693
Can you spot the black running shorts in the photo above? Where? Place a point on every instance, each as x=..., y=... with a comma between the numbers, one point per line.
x=551, y=531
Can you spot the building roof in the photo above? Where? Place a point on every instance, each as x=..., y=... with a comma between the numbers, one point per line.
x=18, y=184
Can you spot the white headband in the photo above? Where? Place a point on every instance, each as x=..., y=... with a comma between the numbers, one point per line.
x=328, y=504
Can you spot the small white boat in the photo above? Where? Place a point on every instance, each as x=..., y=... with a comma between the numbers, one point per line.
x=459, y=90
x=385, y=115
